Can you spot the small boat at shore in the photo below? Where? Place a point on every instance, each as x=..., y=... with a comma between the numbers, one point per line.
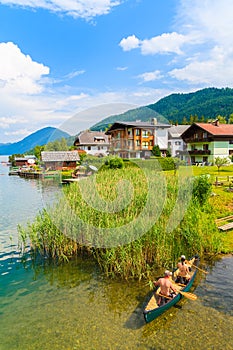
x=153, y=310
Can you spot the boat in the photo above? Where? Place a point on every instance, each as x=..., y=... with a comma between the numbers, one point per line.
x=153, y=310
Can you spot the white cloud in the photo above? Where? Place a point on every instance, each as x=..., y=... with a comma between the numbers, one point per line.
x=129, y=43
x=6, y=122
x=199, y=46
x=75, y=8
x=161, y=44
x=215, y=71
x=211, y=23
x=122, y=68
x=165, y=43
x=75, y=74
x=18, y=72
x=19, y=132
x=150, y=76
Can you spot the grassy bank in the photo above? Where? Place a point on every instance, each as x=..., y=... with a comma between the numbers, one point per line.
x=129, y=220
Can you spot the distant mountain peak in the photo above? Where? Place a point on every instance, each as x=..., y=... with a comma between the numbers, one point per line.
x=39, y=137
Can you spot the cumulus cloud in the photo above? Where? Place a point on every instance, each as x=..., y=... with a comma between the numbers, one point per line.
x=211, y=23
x=150, y=76
x=75, y=8
x=18, y=72
x=199, y=46
x=129, y=43
x=164, y=43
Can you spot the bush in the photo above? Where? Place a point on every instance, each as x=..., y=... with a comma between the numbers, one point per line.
x=115, y=163
x=202, y=189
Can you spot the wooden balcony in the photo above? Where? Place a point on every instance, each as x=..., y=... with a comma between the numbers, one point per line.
x=199, y=152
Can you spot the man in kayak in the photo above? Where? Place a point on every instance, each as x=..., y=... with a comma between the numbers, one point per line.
x=183, y=275
x=165, y=285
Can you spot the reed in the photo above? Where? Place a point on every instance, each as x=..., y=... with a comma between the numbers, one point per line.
x=115, y=199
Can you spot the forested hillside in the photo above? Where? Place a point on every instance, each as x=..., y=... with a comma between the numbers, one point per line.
x=182, y=108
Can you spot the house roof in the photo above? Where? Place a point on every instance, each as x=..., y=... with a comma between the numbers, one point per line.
x=60, y=156
x=25, y=158
x=220, y=129
x=176, y=131
x=90, y=137
x=135, y=124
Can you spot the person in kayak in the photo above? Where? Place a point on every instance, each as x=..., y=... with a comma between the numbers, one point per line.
x=183, y=275
x=166, y=286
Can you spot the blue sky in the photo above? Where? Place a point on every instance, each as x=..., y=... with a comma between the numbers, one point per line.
x=60, y=58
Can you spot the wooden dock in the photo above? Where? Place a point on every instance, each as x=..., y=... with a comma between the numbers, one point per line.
x=228, y=225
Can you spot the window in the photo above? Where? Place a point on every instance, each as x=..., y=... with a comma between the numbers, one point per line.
x=138, y=143
x=231, y=142
x=144, y=133
x=137, y=132
x=145, y=144
x=177, y=143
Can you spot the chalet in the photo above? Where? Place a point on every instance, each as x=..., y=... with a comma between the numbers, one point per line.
x=206, y=141
x=136, y=139
x=92, y=142
x=58, y=160
x=176, y=144
x=24, y=161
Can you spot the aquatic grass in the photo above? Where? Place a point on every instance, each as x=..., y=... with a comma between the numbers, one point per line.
x=115, y=199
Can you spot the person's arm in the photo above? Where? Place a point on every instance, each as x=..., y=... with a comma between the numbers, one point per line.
x=172, y=287
x=156, y=283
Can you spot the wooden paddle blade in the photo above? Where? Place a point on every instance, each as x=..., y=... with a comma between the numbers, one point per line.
x=200, y=269
x=189, y=295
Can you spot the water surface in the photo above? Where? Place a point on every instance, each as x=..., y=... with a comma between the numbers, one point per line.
x=72, y=306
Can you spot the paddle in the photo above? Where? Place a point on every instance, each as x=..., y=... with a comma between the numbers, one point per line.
x=200, y=269
x=188, y=295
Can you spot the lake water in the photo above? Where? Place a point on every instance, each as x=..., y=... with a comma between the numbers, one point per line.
x=73, y=306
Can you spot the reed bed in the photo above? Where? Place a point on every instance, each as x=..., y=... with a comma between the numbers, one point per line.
x=120, y=217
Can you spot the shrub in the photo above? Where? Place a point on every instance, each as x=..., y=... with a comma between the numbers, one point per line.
x=115, y=163
x=202, y=189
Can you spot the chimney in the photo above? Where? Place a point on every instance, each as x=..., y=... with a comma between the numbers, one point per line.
x=154, y=121
x=215, y=122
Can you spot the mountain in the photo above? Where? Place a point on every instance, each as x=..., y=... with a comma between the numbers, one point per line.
x=206, y=104
x=40, y=137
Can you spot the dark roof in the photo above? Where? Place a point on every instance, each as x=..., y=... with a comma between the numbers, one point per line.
x=88, y=137
x=139, y=124
x=60, y=156
x=176, y=131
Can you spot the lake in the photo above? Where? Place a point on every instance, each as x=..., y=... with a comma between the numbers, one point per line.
x=73, y=306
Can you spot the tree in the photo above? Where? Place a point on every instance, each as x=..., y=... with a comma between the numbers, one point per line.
x=156, y=151
x=184, y=121
x=57, y=145
x=221, y=119
x=37, y=151
x=230, y=120
x=219, y=162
